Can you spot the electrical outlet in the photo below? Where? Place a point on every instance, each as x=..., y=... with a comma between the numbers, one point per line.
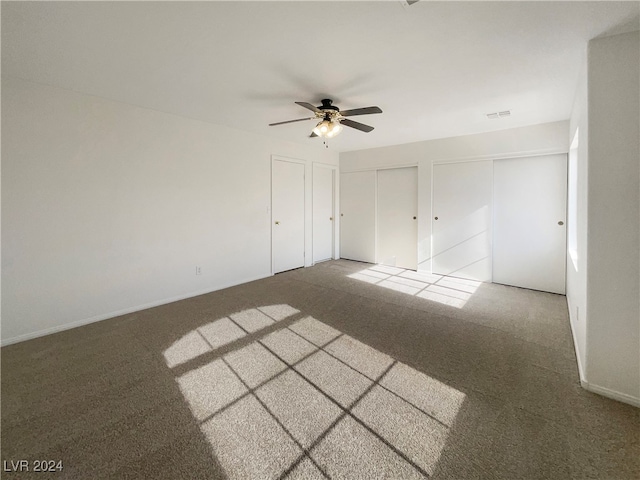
x=198, y=270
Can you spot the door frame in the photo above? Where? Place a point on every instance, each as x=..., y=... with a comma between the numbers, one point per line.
x=335, y=235
x=305, y=163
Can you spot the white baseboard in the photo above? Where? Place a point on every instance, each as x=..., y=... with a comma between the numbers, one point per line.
x=581, y=371
x=584, y=383
x=606, y=392
x=117, y=313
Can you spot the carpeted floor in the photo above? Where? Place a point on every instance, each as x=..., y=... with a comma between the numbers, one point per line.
x=342, y=370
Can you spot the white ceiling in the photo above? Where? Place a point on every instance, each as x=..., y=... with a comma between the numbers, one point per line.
x=435, y=68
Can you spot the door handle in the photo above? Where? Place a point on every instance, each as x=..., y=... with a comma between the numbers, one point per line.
x=277, y=223
x=436, y=218
x=560, y=223
x=331, y=219
x=414, y=218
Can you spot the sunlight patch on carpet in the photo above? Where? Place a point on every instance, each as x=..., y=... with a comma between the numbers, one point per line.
x=451, y=291
x=223, y=331
x=307, y=400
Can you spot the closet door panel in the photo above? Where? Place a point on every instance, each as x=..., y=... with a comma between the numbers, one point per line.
x=323, y=213
x=461, y=220
x=397, y=213
x=529, y=245
x=358, y=216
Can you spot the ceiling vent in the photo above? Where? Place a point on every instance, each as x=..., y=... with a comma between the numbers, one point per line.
x=408, y=3
x=504, y=113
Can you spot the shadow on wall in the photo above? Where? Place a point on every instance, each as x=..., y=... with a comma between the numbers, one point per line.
x=300, y=399
x=451, y=291
x=463, y=246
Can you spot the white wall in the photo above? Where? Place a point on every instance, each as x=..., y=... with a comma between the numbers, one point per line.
x=108, y=208
x=577, y=278
x=524, y=141
x=613, y=282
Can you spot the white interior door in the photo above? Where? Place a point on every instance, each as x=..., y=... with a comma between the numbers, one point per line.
x=358, y=216
x=323, y=216
x=397, y=213
x=461, y=220
x=529, y=240
x=287, y=214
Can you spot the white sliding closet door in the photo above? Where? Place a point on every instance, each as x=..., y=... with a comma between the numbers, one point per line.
x=529, y=243
x=287, y=210
x=397, y=213
x=461, y=223
x=323, y=215
x=358, y=216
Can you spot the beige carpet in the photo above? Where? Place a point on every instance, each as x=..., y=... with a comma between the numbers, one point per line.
x=342, y=370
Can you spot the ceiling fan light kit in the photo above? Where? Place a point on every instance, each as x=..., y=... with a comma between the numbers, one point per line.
x=327, y=128
x=332, y=119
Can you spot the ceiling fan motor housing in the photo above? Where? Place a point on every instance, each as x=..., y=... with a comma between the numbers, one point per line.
x=327, y=105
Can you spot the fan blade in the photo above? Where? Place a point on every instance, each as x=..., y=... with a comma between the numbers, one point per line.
x=360, y=111
x=357, y=125
x=309, y=106
x=313, y=134
x=290, y=121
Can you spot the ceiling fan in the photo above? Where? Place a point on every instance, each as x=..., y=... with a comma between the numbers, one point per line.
x=332, y=118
